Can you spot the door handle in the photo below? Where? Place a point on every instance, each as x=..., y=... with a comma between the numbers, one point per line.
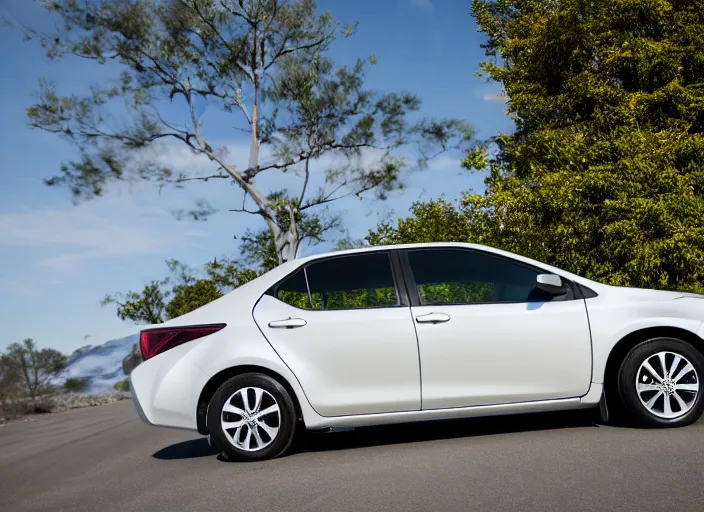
x=287, y=323
x=433, y=318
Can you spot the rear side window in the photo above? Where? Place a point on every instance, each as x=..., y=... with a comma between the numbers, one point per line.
x=349, y=282
x=455, y=276
x=294, y=291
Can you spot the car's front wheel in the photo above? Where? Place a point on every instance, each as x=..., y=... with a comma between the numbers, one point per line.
x=252, y=417
x=660, y=383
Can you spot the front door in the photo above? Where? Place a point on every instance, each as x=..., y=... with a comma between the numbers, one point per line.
x=341, y=326
x=485, y=338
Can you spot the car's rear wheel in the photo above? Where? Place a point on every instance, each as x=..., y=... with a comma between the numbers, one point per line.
x=252, y=417
x=660, y=383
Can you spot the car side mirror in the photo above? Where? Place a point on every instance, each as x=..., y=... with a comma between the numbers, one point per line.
x=550, y=283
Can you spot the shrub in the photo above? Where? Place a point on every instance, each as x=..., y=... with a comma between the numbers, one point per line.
x=42, y=405
x=32, y=368
x=122, y=385
x=75, y=385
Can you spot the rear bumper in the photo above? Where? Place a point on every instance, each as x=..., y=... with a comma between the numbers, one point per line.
x=137, y=405
x=165, y=390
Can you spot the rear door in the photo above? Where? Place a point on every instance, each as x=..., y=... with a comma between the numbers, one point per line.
x=486, y=336
x=343, y=326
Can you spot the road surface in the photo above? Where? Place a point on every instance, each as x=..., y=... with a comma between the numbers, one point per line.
x=104, y=459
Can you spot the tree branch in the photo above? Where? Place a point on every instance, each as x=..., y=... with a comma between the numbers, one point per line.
x=166, y=123
x=281, y=52
x=243, y=209
x=305, y=182
x=240, y=104
x=235, y=53
x=310, y=154
x=329, y=199
x=235, y=13
x=203, y=178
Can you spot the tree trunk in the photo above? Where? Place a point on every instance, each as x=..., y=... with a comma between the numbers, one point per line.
x=254, y=145
x=287, y=245
x=287, y=241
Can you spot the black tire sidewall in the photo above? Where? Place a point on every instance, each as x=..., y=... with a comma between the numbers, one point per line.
x=287, y=412
x=639, y=415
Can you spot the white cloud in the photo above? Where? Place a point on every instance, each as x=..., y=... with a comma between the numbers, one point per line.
x=63, y=237
x=179, y=158
x=495, y=97
x=122, y=225
x=422, y=4
x=443, y=162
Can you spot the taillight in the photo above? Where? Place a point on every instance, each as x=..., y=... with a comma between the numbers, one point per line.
x=153, y=342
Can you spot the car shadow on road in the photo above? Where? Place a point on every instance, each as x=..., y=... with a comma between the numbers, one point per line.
x=186, y=450
x=443, y=429
x=404, y=433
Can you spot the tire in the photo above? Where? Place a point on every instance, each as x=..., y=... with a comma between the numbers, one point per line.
x=673, y=397
x=249, y=434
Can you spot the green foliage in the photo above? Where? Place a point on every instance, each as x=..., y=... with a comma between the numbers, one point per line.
x=360, y=298
x=350, y=243
x=432, y=221
x=75, y=385
x=265, y=64
x=33, y=368
x=456, y=293
x=192, y=296
x=603, y=174
x=296, y=299
x=340, y=299
x=147, y=306
x=181, y=292
x=122, y=385
x=259, y=249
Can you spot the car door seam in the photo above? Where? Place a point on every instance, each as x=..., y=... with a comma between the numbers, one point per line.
x=591, y=346
x=415, y=327
x=279, y=355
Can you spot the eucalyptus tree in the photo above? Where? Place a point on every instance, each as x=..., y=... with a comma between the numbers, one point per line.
x=263, y=63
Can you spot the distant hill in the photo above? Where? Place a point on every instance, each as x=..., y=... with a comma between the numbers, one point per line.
x=101, y=365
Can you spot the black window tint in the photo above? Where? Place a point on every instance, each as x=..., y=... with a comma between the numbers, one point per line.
x=294, y=291
x=455, y=276
x=360, y=281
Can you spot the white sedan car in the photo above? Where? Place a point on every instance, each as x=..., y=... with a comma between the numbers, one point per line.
x=417, y=332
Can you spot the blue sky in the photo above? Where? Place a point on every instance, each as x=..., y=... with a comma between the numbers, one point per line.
x=57, y=260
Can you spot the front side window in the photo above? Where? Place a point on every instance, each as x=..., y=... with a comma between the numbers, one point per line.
x=349, y=282
x=456, y=276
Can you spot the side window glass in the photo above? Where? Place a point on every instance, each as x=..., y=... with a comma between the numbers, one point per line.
x=294, y=291
x=359, y=281
x=455, y=276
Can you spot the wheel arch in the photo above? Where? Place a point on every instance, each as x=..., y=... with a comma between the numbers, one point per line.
x=628, y=342
x=222, y=376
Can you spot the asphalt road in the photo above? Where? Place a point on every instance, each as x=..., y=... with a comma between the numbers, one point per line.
x=104, y=459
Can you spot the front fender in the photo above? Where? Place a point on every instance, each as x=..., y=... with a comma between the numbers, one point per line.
x=611, y=322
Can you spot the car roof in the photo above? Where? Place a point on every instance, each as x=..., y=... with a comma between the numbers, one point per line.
x=423, y=245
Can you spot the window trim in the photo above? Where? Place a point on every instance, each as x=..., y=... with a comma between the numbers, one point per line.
x=574, y=290
x=402, y=298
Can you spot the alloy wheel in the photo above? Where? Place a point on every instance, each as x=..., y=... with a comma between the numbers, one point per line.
x=251, y=419
x=667, y=385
